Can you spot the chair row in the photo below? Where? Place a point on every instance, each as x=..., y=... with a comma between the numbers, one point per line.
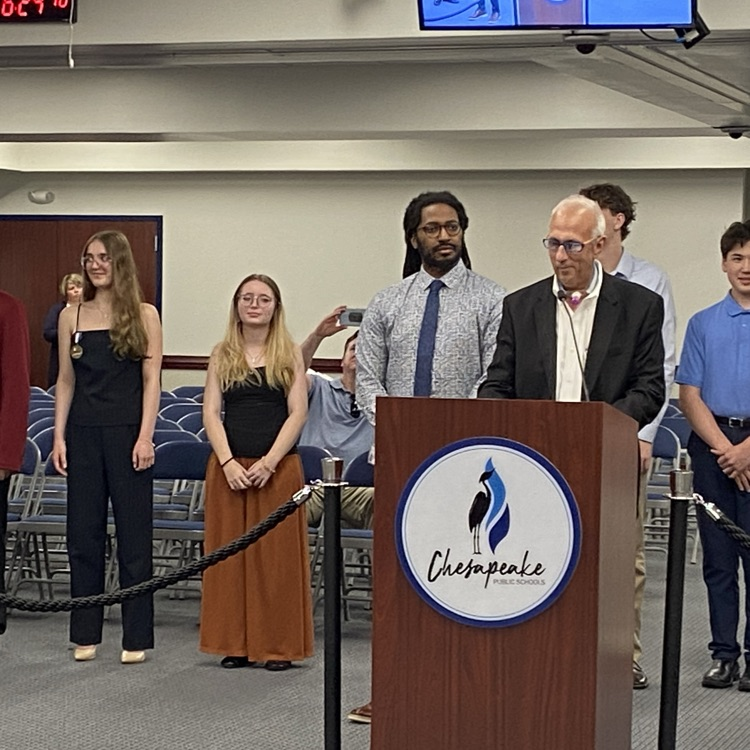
x=38, y=506
x=182, y=391
x=355, y=544
x=190, y=423
x=669, y=453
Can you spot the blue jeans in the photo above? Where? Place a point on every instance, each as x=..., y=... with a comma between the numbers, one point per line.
x=721, y=554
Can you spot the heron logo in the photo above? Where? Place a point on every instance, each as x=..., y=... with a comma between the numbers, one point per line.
x=489, y=515
x=511, y=566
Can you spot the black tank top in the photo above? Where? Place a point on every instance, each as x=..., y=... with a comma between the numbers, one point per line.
x=253, y=416
x=108, y=390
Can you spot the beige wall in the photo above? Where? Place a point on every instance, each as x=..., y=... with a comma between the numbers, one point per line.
x=331, y=239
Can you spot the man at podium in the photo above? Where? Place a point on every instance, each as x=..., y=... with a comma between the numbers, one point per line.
x=581, y=335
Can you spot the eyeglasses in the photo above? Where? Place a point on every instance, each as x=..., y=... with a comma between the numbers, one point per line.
x=102, y=260
x=452, y=228
x=262, y=300
x=571, y=247
x=354, y=409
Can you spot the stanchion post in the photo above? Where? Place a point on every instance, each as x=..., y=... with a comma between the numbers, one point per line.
x=332, y=483
x=681, y=493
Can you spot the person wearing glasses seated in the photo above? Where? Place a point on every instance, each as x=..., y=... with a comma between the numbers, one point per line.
x=256, y=606
x=581, y=335
x=106, y=401
x=335, y=422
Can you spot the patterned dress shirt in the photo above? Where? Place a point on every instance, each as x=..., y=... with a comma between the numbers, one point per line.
x=470, y=312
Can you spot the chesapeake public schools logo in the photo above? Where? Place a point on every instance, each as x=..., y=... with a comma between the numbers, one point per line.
x=488, y=532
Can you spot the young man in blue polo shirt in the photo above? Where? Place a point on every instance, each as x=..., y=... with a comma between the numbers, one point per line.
x=714, y=378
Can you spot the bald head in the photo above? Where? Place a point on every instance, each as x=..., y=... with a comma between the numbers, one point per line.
x=577, y=223
x=582, y=208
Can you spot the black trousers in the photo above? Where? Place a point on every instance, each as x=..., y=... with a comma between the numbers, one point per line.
x=4, y=487
x=100, y=470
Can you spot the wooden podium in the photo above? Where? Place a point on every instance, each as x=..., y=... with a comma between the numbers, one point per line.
x=561, y=680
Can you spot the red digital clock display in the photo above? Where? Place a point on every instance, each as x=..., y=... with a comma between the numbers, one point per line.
x=29, y=11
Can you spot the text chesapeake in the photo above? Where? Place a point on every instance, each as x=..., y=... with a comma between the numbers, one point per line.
x=441, y=566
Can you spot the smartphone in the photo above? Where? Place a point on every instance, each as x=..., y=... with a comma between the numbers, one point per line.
x=352, y=316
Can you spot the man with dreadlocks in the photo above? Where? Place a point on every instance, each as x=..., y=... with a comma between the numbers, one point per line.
x=394, y=358
x=434, y=332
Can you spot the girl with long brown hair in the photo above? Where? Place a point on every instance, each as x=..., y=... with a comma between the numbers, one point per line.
x=106, y=402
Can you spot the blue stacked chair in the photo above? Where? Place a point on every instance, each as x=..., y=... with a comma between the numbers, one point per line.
x=182, y=463
x=178, y=409
x=187, y=391
x=39, y=554
x=192, y=422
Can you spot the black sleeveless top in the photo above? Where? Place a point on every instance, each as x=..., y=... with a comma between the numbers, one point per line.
x=253, y=416
x=108, y=390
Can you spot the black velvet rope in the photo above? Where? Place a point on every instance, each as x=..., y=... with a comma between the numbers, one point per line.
x=168, y=579
x=742, y=538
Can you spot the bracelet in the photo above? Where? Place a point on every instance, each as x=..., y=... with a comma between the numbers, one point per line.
x=231, y=458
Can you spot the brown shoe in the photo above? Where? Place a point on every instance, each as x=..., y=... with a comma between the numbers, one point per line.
x=361, y=715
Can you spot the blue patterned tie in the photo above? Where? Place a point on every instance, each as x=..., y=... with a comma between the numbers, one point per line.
x=426, y=345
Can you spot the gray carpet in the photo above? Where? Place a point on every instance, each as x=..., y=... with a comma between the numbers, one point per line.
x=181, y=699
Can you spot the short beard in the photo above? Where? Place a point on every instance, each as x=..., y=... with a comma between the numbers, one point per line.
x=440, y=264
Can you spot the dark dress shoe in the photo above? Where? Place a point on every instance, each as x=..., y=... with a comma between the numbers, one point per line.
x=235, y=662
x=744, y=685
x=722, y=674
x=276, y=665
x=640, y=681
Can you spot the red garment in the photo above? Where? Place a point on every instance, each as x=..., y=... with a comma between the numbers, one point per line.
x=14, y=381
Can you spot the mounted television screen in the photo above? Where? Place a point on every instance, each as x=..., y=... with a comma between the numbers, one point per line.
x=555, y=14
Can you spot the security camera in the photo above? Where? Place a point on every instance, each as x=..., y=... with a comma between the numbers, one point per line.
x=585, y=43
x=42, y=197
x=735, y=131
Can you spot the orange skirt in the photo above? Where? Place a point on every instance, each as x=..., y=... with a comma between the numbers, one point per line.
x=257, y=603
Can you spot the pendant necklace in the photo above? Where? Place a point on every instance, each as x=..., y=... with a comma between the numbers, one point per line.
x=255, y=359
x=76, y=350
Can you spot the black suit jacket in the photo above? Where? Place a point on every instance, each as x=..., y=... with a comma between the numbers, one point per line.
x=625, y=360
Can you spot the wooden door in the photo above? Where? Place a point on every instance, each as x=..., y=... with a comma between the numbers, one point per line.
x=36, y=252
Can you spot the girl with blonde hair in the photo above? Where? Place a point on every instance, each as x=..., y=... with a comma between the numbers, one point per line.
x=256, y=605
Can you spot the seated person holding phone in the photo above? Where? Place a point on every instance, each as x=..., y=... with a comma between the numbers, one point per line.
x=335, y=421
